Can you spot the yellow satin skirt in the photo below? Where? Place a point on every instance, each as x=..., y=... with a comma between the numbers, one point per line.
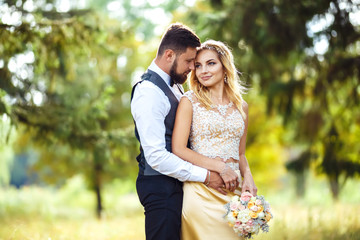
x=203, y=214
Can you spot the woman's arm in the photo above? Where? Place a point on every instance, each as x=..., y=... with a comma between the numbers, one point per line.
x=180, y=138
x=248, y=184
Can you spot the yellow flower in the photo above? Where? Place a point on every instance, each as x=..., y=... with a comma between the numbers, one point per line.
x=235, y=213
x=268, y=217
x=253, y=214
x=260, y=209
x=251, y=204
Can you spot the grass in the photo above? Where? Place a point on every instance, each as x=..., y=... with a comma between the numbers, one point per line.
x=89, y=228
x=43, y=213
x=291, y=222
x=297, y=222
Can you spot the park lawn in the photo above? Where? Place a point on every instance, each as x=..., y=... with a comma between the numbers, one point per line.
x=37, y=213
x=292, y=222
x=58, y=229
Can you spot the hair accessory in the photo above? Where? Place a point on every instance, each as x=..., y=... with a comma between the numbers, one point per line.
x=219, y=51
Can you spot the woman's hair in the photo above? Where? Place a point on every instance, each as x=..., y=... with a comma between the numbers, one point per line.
x=178, y=38
x=233, y=86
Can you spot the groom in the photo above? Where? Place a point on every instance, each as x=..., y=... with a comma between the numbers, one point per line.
x=154, y=102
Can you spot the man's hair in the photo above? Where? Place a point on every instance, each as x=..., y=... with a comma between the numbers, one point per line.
x=178, y=38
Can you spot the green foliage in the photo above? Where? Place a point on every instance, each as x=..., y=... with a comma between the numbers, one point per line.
x=66, y=95
x=264, y=147
x=63, y=88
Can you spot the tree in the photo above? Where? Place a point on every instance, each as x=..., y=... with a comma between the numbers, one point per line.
x=314, y=90
x=6, y=152
x=62, y=88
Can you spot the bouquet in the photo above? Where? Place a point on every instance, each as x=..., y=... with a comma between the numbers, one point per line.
x=247, y=214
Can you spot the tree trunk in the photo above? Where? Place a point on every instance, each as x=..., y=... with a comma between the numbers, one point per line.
x=300, y=184
x=335, y=188
x=97, y=188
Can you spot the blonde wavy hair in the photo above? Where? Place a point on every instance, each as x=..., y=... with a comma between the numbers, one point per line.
x=234, y=88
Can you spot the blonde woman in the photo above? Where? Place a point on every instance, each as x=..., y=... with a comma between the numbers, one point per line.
x=214, y=118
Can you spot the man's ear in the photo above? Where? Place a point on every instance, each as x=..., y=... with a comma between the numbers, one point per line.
x=169, y=55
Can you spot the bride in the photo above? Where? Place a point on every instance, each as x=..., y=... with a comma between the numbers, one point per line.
x=214, y=118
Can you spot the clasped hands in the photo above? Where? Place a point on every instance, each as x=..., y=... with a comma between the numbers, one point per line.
x=224, y=179
x=231, y=178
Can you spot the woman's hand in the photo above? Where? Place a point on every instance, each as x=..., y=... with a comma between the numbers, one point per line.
x=230, y=178
x=248, y=184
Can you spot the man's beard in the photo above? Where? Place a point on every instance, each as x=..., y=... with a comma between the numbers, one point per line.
x=175, y=77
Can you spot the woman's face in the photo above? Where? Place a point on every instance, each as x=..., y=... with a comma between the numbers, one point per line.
x=208, y=68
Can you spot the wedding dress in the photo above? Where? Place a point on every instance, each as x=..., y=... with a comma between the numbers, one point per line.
x=215, y=132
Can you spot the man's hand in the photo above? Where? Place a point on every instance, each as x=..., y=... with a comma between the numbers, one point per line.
x=216, y=182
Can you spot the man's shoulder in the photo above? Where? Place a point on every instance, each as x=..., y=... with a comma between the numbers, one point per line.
x=148, y=85
x=144, y=84
x=146, y=88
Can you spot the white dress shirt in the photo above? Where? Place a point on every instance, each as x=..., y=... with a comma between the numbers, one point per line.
x=149, y=107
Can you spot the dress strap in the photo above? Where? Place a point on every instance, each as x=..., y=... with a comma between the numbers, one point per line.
x=189, y=95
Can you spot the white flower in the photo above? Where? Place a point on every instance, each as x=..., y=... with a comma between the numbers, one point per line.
x=261, y=215
x=235, y=198
x=244, y=216
x=230, y=218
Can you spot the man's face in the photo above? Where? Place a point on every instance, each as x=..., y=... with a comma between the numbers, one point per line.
x=182, y=66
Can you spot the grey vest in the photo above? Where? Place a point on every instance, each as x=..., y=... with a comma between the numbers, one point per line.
x=144, y=167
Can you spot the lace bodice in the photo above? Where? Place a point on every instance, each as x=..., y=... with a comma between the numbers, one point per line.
x=216, y=132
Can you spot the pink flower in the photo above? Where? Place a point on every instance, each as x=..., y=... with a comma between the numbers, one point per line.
x=234, y=205
x=241, y=207
x=258, y=202
x=246, y=196
x=250, y=222
x=247, y=228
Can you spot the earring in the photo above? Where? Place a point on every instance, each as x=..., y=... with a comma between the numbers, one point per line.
x=225, y=78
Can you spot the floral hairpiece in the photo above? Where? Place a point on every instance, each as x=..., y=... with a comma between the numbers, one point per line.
x=219, y=51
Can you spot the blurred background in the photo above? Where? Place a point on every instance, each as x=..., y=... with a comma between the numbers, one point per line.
x=67, y=148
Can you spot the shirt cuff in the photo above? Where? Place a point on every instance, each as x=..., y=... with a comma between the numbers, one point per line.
x=198, y=174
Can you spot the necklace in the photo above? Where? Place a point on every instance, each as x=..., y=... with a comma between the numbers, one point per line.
x=222, y=108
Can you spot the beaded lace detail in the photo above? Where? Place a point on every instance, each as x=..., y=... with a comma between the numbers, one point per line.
x=216, y=132
x=222, y=108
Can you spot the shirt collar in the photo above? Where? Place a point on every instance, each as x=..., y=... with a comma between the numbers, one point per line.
x=162, y=74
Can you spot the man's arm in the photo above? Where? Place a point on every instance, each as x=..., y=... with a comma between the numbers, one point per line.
x=149, y=108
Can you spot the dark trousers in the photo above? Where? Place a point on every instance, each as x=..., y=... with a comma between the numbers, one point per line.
x=162, y=198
